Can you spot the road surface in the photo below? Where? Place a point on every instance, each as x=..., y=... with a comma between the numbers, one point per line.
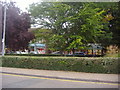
x=22, y=81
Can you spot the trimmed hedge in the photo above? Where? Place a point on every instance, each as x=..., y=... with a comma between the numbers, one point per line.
x=79, y=64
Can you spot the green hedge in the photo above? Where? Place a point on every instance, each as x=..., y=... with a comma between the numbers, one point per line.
x=79, y=64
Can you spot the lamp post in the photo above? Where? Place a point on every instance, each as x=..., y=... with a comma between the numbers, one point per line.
x=1, y=29
x=4, y=28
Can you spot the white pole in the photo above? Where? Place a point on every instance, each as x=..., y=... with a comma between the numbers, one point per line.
x=1, y=30
x=4, y=27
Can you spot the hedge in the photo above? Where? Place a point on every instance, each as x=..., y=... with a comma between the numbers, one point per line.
x=79, y=64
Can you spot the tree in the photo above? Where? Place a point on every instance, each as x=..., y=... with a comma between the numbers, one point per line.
x=112, y=16
x=42, y=36
x=74, y=24
x=17, y=24
x=115, y=25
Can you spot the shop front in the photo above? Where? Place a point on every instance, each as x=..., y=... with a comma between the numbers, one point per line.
x=37, y=48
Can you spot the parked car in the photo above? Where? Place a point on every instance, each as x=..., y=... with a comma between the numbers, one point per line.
x=56, y=52
x=20, y=52
x=33, y=52
x=78, y=54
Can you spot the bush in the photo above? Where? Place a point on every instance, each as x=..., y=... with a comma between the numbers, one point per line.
x=112, y=55
x=79, y=64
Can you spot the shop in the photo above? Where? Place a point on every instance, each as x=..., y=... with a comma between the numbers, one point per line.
x=37, y=48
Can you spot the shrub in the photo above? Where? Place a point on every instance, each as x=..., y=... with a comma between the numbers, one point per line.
x=79, y=64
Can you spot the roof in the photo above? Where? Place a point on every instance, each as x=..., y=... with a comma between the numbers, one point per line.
x=96, y=47
x=32, y=29
x=37, y=45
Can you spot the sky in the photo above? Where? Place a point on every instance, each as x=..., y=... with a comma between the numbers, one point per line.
x=23, y=4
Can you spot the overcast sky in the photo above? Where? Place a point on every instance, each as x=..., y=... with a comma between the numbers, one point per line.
x=23, y=4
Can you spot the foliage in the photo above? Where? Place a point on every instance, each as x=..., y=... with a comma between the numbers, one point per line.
x=112, y=16
x=73, y=24
x=17, y=24
x=57, y=42
x=42, y=35
x=115, y=25
x=112, y=55
x=93, y=65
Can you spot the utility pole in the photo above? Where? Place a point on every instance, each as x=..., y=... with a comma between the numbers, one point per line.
x=4, y=28
x=0, y=29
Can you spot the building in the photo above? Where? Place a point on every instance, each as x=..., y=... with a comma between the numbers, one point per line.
x=37, y=48
x=90, y=49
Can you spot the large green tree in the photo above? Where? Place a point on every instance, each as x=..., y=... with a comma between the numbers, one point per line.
x=73, y=24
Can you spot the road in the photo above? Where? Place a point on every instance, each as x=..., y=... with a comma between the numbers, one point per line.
x=21, y=81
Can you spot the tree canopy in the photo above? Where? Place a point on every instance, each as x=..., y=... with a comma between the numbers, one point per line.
x=75, y=24
x=17, y=24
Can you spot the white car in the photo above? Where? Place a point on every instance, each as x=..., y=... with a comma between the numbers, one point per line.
x=20, y=52
x=33, y=52
x=57, y=52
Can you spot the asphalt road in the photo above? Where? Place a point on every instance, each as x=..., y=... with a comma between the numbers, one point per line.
x=20, y=81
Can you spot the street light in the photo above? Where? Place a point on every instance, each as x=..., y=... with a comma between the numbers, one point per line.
x=4, y=28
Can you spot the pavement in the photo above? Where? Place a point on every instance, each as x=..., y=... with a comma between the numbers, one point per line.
x=94, y=77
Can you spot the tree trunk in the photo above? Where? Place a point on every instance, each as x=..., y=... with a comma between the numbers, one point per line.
x=46, y=49
x=61, y=52
x=73, y=50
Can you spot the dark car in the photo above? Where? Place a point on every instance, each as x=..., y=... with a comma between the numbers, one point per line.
x=78, y=54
